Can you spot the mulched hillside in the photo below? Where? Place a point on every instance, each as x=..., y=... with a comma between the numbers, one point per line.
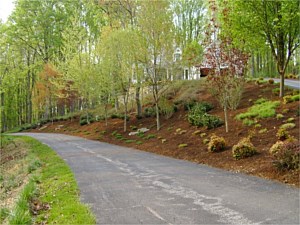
x=177, y=130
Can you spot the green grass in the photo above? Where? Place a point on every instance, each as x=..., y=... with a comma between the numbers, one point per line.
x=4, y=213
x=263, y=110
x=57, y=186
x=21, y=213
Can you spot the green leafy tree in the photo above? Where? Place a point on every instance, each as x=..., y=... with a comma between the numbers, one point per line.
x=155, y=23
x=255, y=23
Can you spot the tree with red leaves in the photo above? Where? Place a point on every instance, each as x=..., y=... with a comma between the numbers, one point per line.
x=227, y=66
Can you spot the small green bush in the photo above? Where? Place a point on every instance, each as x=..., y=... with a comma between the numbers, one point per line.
x=205, y=120
x=287, y=126
x=262, y=131
x=205, y=141
x=290, y=120
x=287, y=99
x=182, y=145
x=198, y=116
x=282, y=134
x=119, y=116
x=279, y=116
x=149, y=112
x=86, y=119
x=166, y=108
x=216, y=144
x=243, y=149
x=189, y=104
x=276, y=91
x=287, y=156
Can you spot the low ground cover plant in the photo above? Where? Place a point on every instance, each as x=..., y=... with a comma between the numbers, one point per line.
x=265, y=109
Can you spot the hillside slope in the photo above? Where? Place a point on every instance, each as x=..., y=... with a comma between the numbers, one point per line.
x=178, y=139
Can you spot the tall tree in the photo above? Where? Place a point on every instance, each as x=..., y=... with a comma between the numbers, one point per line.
x=155, y=23
x=275, y=22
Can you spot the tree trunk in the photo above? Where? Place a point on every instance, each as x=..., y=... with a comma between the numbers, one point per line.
x=226, y=119
x=138, y=101
x=157, y=116
x=105, y=109
x=281, y=94
x=125, y=116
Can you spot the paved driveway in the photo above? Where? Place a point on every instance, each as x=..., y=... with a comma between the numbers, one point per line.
x=290, y=83
x=127, y=186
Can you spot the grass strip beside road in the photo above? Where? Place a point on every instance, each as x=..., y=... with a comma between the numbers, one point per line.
x=58, y=189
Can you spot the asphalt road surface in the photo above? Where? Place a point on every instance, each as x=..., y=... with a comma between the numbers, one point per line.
x=290, y=83
x=127, y=186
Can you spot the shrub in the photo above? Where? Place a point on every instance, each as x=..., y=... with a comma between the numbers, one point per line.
x=205, y=141
x=271, y=81
x=276, y=91
x=262, y=131
x=290, y=120
x=182, y=145
x=285, y=110
x=149, y=112
x=243, y=149
x=216, y=144
x=197, y=116
x=287, y=155
x=133, y=127
x=276, y=147
x=279, y=116
x=166, y=108
x=296, y=92
x=86, y=118
x=205, y=120
x=287, y=99
x=188, y=105
x=119, y=116
x=288, y=126
x=282, y=134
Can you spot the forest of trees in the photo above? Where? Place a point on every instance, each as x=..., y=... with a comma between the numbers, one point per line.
x=59, y=56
